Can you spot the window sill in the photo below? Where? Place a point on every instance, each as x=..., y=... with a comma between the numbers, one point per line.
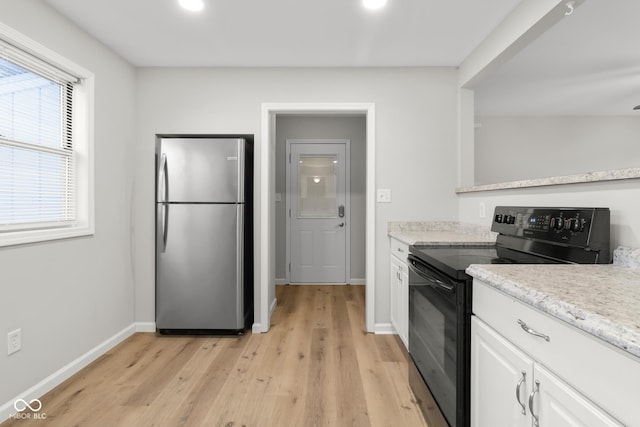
x=34, y=236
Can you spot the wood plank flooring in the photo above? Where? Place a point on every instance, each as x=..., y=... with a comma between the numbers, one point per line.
x=317, y=366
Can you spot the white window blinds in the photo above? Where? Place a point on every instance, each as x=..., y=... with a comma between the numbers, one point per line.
x=37, y=168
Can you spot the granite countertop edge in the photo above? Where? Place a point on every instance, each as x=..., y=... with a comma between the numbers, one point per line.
x=413, y=240
x=440, y=233
x=591, y=323
x=596, y=176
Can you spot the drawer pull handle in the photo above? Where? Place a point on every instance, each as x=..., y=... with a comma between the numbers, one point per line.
x=522, y=380
x=536, y=418
x=400, y=250
x=528, y=330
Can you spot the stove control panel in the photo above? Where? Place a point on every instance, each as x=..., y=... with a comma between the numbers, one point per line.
x=577, y=235
x=570, y=226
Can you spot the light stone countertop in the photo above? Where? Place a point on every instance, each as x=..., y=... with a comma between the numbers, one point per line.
x=441, y=233
x=608, y=175
x=602, y=300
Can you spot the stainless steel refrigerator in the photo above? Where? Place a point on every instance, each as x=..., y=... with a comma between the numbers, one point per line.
x=203, y=234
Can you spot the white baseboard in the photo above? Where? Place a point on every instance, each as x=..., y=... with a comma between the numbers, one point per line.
x=384, y=329
x=259, y=328
x=62, y=374
x=282, y=281
x=145, y=326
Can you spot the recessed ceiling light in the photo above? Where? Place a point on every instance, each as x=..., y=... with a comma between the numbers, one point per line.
x=192, y=5
x=374, y=4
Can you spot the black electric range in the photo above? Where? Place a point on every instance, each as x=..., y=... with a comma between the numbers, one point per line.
x=440, y=291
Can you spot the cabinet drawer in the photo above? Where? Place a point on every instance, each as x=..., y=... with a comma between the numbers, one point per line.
x=400, y=250
x=603, y=373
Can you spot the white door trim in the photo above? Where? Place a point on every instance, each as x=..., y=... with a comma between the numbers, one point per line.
x=266, y=268
x=347, y=201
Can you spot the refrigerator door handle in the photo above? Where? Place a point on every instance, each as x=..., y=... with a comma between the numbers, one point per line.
x=165, y=226
x=163, y=179
x=163, y=197
x=240, y=263
x=241, y=167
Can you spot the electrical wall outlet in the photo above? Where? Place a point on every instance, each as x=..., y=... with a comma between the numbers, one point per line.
x=14, y=341
x=482, y=210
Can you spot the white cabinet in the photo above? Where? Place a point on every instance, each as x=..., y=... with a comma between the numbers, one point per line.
x=557, y=404
x=394, y=293
x=500, y=375
x=404, y=306
x=399, y=289
x=508, y=388
x=521, y=378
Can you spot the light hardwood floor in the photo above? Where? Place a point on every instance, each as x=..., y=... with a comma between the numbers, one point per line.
x=317, y=366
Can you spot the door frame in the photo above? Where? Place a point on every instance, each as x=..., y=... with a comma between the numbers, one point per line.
x=265, y=280
x=347, y=202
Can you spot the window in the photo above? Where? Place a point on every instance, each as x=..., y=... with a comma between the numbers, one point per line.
x=46, y=176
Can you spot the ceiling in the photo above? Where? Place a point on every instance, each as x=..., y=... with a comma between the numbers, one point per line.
x=288, y=33
x=588, y=63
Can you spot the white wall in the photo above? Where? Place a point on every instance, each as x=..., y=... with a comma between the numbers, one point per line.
x=416, y=128
x=622, y=197
x=68, y=296
x=536, y=147
x=352, y=128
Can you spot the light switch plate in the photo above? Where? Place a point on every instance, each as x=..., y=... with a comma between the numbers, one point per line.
x=14, y=341
x=383, y=195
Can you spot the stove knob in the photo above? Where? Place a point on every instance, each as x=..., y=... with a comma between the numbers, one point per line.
x=578, y=225
x=498, y=218
x=558, y=223
x=570, y=224
x=509, y=219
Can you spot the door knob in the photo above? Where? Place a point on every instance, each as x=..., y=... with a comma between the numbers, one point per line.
x=341, y=224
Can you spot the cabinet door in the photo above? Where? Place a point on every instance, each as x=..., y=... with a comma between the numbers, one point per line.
x=557, y=404
x=498, y=371
x=403, y=304
x=394, y=286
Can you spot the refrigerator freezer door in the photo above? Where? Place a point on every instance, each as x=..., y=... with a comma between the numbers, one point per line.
x=201, y=170
x=199, y=273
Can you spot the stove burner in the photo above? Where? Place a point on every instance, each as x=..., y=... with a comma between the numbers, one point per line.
x=469, y=259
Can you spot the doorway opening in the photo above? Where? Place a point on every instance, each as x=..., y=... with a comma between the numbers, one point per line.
x=272, y=260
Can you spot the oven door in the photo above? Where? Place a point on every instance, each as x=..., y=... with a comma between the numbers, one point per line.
x=437, y=337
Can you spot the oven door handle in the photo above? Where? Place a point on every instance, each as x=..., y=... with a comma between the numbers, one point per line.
x=432, y=281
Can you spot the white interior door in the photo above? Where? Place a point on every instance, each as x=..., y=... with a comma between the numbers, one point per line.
x=318, y=211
